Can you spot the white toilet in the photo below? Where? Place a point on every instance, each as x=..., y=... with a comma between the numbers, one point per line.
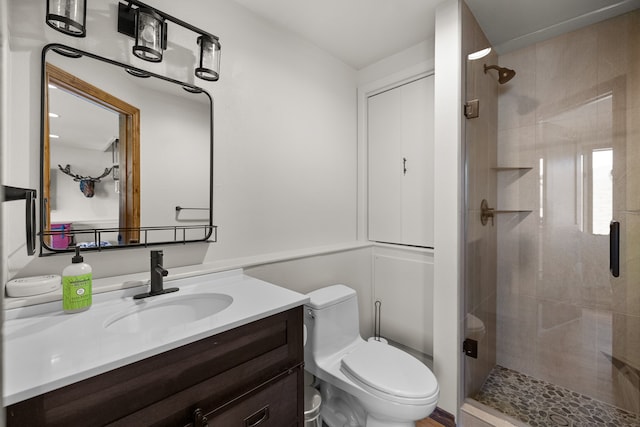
x=363, y=383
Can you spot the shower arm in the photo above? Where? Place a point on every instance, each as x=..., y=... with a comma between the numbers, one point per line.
x=504, y=74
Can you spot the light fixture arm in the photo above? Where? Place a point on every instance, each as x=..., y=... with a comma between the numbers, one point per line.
x=148, y=26
x=167, y=17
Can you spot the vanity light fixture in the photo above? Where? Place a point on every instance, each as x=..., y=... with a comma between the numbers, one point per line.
x=151, y=35
x=148, y=26
x=68, y=16
x=209, y=58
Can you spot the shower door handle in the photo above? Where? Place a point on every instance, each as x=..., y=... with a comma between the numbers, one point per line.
x=614, y=248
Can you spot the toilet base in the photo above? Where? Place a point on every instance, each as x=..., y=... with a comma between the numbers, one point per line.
x=340, y=409
x=373, y=422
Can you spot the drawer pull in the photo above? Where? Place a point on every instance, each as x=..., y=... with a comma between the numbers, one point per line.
x=257, y=418
x=199, y=420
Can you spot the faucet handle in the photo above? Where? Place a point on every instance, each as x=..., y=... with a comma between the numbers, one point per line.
x=156, y=258
x=157, y=273
x=156, y=253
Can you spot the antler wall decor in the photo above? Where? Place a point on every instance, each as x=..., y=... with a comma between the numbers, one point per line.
x=87, y=183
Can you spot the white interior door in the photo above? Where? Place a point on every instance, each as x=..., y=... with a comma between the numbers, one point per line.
x=400, y=145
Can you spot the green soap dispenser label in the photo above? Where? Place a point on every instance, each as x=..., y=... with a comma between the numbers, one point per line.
x=76, y=292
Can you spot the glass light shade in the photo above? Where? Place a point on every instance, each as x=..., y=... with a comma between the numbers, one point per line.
x=150, y=35
x=68, y=16
x=209, y=66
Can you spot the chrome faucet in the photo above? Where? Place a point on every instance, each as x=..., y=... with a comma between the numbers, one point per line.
x=157, y=273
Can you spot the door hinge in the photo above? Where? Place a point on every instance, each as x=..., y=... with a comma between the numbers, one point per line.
x=470, y=348
x=472, y=109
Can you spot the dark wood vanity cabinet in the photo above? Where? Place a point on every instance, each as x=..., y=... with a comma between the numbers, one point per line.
x=249, y=376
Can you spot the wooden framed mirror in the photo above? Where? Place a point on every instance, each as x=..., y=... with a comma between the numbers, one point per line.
x=128, y=146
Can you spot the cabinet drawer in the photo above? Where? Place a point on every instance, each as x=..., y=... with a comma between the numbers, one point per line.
x=275, y=405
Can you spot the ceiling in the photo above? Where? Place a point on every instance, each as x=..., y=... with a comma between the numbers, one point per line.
x=361, y=32
x=80, y=123
x=513, y=24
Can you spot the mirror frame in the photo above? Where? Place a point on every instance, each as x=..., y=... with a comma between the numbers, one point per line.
x=132, y=227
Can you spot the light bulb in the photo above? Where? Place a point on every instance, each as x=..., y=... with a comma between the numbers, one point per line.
x=148, y=33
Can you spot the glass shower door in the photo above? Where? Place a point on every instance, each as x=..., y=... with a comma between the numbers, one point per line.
x=562, y=321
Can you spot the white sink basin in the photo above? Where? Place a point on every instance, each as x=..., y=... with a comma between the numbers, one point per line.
x=167, y=313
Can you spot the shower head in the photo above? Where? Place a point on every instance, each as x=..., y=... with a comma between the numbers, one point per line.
x=504, y=74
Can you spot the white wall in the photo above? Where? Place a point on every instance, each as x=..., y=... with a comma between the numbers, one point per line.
x=352, y=268
x=443, y=55
x=448, y=203
x=403, y=283
x=285, y=132
x=286, y=148
x=399, y=63
x=67, y=201
x=402, y=276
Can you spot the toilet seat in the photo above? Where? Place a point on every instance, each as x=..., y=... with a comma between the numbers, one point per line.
x=390, y=373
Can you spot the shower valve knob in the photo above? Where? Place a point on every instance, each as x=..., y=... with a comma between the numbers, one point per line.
x=486, y=212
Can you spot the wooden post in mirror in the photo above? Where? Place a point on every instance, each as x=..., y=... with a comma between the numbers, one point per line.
x=129, y=149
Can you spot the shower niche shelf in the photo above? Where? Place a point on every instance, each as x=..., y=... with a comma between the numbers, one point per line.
x=523, y=169
x=488, y=213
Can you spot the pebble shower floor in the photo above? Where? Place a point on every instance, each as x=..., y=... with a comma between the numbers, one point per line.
x=542, y=404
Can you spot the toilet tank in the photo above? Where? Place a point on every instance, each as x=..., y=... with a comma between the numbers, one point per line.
x=331, y=319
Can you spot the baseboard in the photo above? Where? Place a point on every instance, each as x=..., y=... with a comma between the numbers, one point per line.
x=443, y=417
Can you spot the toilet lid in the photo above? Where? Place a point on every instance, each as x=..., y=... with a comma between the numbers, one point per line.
x=390, y=370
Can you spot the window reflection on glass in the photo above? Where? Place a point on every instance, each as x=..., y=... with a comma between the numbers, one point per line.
x=541, y=185
x=580, y=193
x=602, y=184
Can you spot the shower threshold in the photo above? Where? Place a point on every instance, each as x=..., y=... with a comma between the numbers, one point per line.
x=541, y=404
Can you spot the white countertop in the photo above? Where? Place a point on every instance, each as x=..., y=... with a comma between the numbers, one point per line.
x=45, y=349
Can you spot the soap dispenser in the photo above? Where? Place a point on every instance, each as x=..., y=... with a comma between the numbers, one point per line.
x=76, y=285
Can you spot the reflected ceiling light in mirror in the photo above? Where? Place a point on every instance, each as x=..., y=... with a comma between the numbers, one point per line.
x=209, y=67
x=148, y=26
x=54, y=115
x=67, y=16
x=479, y=54
x=53, y=136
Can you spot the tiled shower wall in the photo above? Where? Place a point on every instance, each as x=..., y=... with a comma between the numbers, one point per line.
x=561, y=316
x=480, y=245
